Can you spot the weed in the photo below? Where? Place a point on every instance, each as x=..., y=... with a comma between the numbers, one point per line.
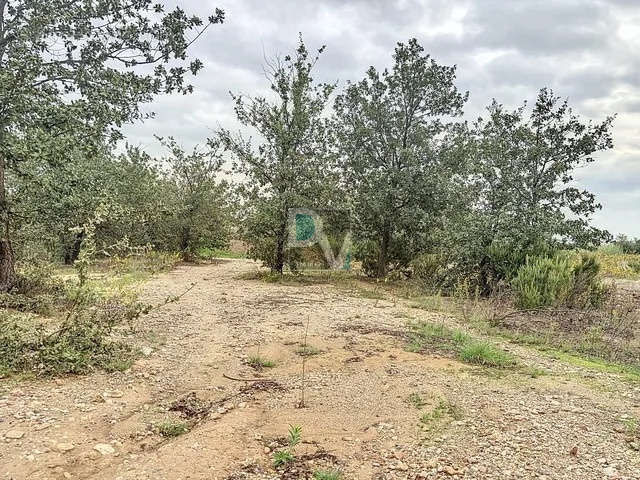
x=286, y=455
x=534, y=372
x=308, y=351
x=416, y=400
x=485, y=354
x=443, y=409
x=281, y=458
x=468, y=349
x=172, y=428
x=258, y=363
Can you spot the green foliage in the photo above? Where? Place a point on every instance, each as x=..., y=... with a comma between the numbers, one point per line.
x=393, y=165
x=285, y=456
x=485, y=354
x=416, y=400
x=172, y=428
x=80, y=344
x=290, y=168
x=543, y=282
x=431, y=335
x=546, y=282
x=327, y=475
x=71, y=73
x=282, y=458
x=257, y=362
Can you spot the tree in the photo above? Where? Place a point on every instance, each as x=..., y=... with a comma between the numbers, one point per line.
x=49, y=200
x=523, y=199
x=290, y=167
x=73, y=71
x=200, y=214
x=388, y=126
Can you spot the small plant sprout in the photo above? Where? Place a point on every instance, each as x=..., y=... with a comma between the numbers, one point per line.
x=172, y=428
x=258, y=363
x=327, y=475
x=286, y=455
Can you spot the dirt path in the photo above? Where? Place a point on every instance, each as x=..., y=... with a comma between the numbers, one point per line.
x=565, y=425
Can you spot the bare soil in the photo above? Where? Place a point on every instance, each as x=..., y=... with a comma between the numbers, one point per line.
x=571, y=423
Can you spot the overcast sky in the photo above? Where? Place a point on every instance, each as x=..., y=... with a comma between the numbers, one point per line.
x=587, y=51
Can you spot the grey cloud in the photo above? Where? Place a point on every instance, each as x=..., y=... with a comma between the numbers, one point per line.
x=504, y=49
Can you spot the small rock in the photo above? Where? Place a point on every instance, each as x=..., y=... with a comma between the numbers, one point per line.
x=610, y=472
x=267, y=450
x=105, y=449
x=449, y=470
x=14, y=434
x=242, y=405
x=65, y=447
x=574, y=451
x=146, y=351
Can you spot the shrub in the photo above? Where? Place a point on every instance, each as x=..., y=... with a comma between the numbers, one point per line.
x=587, y=289
x=172, y=428
x=81, y=343
x=543, y=282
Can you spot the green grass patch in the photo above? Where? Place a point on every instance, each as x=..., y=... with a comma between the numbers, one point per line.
x=485, y=354
x=454, y=341
x=308, y=351
x=172, y=428
x=257, y=362
x=629, y=372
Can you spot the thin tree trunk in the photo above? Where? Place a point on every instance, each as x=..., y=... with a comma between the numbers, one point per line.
x=383, y=255
x=282, y=238
x=7, y=258
x=72, y=251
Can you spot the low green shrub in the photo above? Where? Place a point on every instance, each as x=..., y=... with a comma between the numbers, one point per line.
x=543, y=282
x=546, y=282
x=80, y=343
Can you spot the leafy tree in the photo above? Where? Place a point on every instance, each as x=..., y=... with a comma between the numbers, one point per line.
x=290, y=167
x=49, y=200
x=200, y=214
x=72, y=72
x=388, y=126
x=521, y=191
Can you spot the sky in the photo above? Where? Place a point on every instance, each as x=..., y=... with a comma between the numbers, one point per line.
x=586, y=50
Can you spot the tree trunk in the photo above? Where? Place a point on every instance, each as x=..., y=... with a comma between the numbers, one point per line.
x=278, y=266
x=72, y=252
x=383, y=255
x=7, y=258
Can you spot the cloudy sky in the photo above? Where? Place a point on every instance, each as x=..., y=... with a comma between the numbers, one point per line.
x=586, y=50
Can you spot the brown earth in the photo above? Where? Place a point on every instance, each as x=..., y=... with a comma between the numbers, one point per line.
x=571, y=423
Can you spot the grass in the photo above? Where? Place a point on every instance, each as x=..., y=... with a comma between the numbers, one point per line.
x=308, y=351
x=416, y=400
x=172, y=428
x=442, y=411
x=282, y=457
x=628, y=372
x=619, y=265
x=327, y=475
x=485, y=354
x=468, y=350
x=258, y=362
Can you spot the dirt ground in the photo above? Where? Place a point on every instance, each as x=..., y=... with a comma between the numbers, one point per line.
x=570, y=423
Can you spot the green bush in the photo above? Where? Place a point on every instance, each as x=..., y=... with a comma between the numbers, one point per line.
x=543, y=282
x=428, y=269
x=81, y=343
